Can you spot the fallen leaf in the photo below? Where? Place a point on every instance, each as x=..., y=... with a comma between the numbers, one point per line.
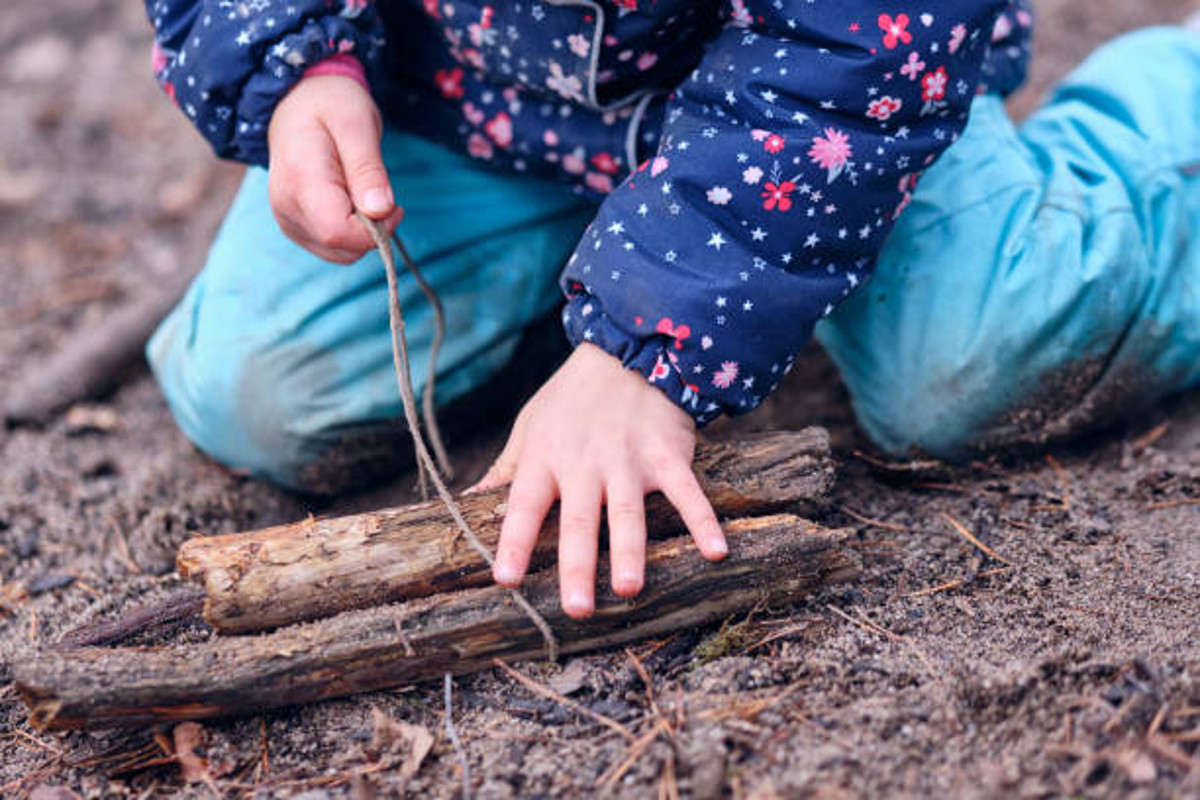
x=391, y=736
x=189, y=752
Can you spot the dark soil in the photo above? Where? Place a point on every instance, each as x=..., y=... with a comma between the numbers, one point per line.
x=1076, y=672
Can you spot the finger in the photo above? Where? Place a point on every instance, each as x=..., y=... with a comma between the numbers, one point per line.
x=505, y=466
x=578, y=535
x=532, y=494
x=356, y=137
x=684, y=492
x=626, y=511
x=329, y=221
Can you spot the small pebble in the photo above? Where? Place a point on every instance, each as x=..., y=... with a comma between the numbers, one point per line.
x=49, y=582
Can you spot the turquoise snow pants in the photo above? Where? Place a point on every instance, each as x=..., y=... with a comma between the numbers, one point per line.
x=1042, y=280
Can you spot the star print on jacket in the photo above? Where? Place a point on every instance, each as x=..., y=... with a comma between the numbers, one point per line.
x=772, y=143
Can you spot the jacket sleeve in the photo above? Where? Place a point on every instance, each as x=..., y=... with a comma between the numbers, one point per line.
x=227, y=64
x=784, y=160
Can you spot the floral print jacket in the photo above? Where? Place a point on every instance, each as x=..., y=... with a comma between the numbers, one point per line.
x=749, y=156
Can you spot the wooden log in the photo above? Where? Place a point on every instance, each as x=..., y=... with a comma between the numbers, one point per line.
x=311, y=569
x=774, y=559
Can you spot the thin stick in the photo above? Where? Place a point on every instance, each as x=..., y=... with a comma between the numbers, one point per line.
x=891, y=526
x=1187, y=501
x=867, y=625
x=955, y=583
x=546, y=691
x=1063, y=481
x=403, y=382
x=452, y=735
x=439, y=336
x=970, y=537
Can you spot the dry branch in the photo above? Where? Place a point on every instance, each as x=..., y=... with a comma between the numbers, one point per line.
x=776, y=559
x=317, y=567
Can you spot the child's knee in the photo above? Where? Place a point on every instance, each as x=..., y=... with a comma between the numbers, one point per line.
x=247, y=405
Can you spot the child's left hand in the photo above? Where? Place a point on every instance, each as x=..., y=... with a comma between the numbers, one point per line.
x=597, y=434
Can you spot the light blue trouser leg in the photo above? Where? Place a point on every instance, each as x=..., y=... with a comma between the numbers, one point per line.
x=273, y=352
x=1046, y=279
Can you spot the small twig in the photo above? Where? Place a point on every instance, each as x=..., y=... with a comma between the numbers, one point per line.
x=635, y=752
x=1150, y=437
x=891, y=526
x=546, y=691
x=452, y=735
x=970, y=537
x=1063, y=481
x=872, y=627
x=955, y=583
x=1186, y=501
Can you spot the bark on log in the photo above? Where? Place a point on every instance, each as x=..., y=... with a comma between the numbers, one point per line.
x=777, y=559
x=318, y=567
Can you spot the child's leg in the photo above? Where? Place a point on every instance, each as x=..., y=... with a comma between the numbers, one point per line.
x=275, y=358
x=1045, y=280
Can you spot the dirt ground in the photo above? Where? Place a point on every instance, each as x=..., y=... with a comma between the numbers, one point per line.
x=1076, y=672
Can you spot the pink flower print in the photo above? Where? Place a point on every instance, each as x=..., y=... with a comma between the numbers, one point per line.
x=449, y=82
x=550, y=138
x=676, y=332
x=778, y=196
x=719, y=195
x=605, y=163
x=481, y=35
x=894, y=30
x=158, y=59
x=774, y=143
x=472, y=114
x=752, y=175
x=473, y=57
x=573, y=162
x=660, y=371
x=431, y=8
x=568, y=86
x=352, y=8
x=740, y=16
x=831, y=152
x=1003, y=28
x=659, y=164
x=726, y=375
x=599, y=182
x=580, y=45
x=912, y=68
x=647, y=60
x=500, y=130
x=883, y=108
x=479, y=147
x=958, y=34
x=933, y=85
x=759, y=135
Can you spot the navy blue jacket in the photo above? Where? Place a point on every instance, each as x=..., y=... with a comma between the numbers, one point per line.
x=749, y=156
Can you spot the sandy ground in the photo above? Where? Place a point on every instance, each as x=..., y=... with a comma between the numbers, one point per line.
x=1074, y=673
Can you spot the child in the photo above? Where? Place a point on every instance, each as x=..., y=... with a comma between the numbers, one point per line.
x=727, y=173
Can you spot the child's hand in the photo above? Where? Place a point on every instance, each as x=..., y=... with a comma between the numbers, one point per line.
x=597, y=433
x=325, y=162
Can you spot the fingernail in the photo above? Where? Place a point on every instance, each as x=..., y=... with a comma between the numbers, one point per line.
x=578, y=602
x=719, y=547
x=376, y=201
x=505, y=574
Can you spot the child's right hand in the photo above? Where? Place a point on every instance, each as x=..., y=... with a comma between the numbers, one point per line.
x=325, y=162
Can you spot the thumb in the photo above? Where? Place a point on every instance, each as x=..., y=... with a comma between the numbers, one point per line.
x=362, y=164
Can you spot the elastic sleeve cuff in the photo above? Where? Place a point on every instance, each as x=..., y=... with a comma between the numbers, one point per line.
x=342, y=64
x=651, y=356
